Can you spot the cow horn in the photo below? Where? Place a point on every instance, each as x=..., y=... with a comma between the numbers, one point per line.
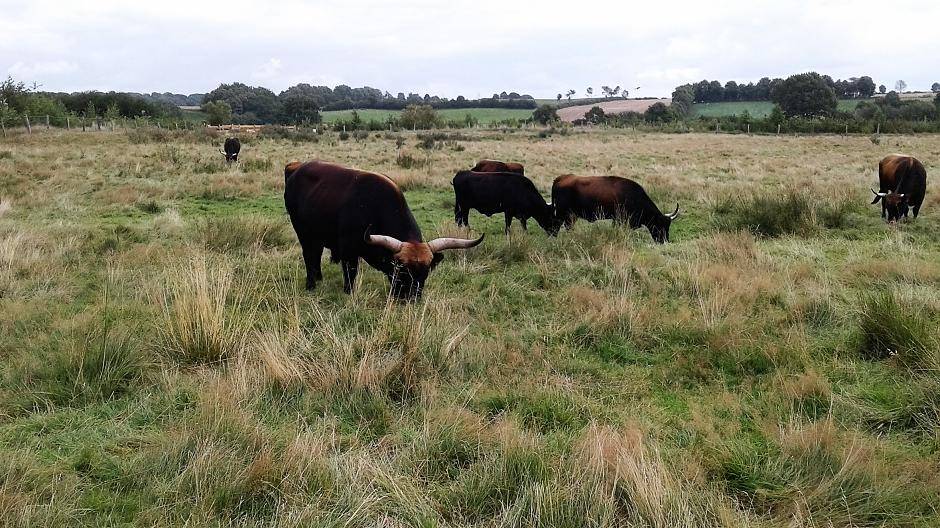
x=674, y=214
x=222, y=152
x=878, y=193
x=901, y=195
x=442, y=244
x=390, y=243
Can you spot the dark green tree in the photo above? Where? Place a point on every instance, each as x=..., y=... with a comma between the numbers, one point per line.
x=805, y=94
x=595, y=115
x=882, y=89
x=545, y=114
x=866, y=86
x=217, y=112
x=682, y=100
x=657, y=113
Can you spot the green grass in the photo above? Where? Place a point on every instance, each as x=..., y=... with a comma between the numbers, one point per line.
x=483, y=115
x=755, y=108
x=163, y=365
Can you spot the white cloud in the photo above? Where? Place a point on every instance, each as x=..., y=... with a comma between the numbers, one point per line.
x=32, y=70
x=469, y=47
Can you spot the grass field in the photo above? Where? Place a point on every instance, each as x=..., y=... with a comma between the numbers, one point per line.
x=775, y=365
x=755, y=108
x=483, y=115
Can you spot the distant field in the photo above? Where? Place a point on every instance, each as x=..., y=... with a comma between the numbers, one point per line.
x=484, y=115
x=755, y=108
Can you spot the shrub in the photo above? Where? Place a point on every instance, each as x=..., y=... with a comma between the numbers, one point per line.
x=767, y=215
x=200, y=313
x=891, y=328
x=407, y=161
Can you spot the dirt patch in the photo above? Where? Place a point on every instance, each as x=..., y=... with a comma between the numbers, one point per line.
x=617, y=106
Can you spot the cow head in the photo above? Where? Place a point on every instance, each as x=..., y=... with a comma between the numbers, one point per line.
x=659, y=226
x=229, y=157
x=895, y=204
x=411, y=262
x=549, y=220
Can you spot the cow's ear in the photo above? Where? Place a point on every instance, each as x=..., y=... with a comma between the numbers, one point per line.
x=436, y=259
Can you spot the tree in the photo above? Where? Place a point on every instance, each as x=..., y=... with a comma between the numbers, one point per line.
x=595, y=115
x=892, y=99
x=882, y=89
x=217, y=112
x=625, y=93
x=558, y=97
x=805, y=94
x=866, y=86
x=299, y=104
x=606, y=90
x=936, y=102
x=935, y=87
x=615, y=91
x=589, y=91
x=418, y=116
x=900, y=86
x=682, y=100
x=545, y=114
x=569, y=93
x=113, y=113
x=90, y=111
x=657, y=112
x=776, y=115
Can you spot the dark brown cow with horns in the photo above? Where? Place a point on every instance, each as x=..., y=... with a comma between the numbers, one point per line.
x=359, y=214
x=488, y=165
x=609, y=197
x=902, y=182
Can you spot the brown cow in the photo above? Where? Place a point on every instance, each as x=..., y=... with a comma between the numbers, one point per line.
x=488, y=165
x=902, y=182
x=359, y=214
x=609, y=197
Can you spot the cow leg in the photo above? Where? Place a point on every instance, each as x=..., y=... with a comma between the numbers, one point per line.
x=312, y=255
x=350, y=270
x=916, y=210
x=525, y=227
x=458, y=214
x=508, y=222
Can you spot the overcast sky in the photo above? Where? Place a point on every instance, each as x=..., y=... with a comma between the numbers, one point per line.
x=456, y=47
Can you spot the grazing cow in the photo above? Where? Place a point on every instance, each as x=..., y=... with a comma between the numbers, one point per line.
x=501, y=192
x=358, y=214
x=232, y=147
x=602, y=197
x=498, y=166
x=902, y=182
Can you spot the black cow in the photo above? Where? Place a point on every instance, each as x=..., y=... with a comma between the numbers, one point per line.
x=232, y=147
x=501, y=192
x=902, y=181
x=609, y=197
x=358, y=214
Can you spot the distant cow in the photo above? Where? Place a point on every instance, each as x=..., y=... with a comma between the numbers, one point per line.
x=498, y=166
x=232, y=147
x=609, y=197
x=902, y=182
x=501, y=192
x=358, y=214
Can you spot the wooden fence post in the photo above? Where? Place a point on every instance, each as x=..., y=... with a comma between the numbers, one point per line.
x=748, y=129
x=98, y=123
x=47, y=121
x=878, y=130
x=778, y=129
x=112, y=125
x=3, y=126
x=68, y=124
x=29, y=129
x=83, y=124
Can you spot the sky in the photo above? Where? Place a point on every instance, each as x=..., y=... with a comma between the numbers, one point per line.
x=470, y=48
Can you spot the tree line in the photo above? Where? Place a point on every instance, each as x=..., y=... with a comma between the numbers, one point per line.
x=303, y=103
x=706, y=91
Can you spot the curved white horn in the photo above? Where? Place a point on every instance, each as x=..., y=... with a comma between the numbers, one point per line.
x=222, y=152
x=390, y=243
x=878, y=193
x=674, y=214
x=442, y=244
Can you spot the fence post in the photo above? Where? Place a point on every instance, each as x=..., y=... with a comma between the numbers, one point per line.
x=846, y=129
x=748, y=129
x=98, y=123
x=47, y=121
x=83, y=124
x=878, y=130
x=3, y=126
x=68, y=124
x=778, y=129
x=29, y=129
x=112, y=125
